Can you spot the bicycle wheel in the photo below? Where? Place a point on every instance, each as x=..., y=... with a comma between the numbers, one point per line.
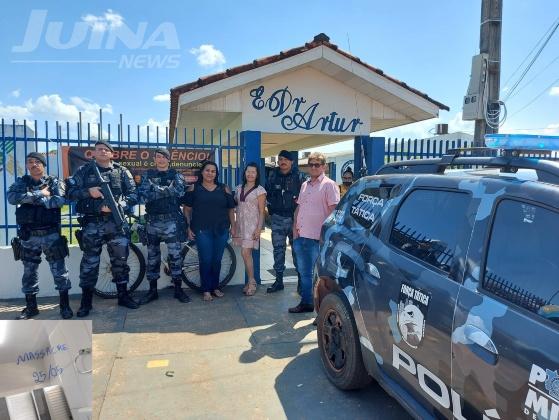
x=105, y=286
x=191, y=266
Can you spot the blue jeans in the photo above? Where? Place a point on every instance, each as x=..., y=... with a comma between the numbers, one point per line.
x=211, y=244
x=306, y=252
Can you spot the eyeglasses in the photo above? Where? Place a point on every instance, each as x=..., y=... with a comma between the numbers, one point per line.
x=315, y=165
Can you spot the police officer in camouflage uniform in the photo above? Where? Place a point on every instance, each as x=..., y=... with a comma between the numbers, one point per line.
x=161, y=190
x=282, y=187
x=98, y=226
x=39, y=198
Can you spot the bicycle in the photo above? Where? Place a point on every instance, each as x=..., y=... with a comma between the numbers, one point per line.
x=191, y=266
x=105, y=287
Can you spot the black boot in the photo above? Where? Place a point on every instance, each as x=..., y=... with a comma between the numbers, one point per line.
x=277, y=286
x=151, y=294
x=124, y=299
x=65, y=310
x=85, y=305
x=30, y=309
x=179, y=293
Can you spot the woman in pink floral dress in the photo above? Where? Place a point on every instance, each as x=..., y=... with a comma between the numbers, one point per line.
x=251, y=201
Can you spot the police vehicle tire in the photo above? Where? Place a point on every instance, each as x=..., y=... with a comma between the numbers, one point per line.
x=107, y=290
x=191, y=267
x=339, y=346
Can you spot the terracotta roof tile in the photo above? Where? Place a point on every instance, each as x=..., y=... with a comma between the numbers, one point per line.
x=319, y=40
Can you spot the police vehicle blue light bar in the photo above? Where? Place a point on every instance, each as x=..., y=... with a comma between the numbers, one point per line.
x=522, y=141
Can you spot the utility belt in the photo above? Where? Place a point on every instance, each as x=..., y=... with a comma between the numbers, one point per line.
x=176, y=217
x=57, y=250
x=43, y=232
x=95, y=218
x=26, y=232
x=162, y=217
x=87, y=219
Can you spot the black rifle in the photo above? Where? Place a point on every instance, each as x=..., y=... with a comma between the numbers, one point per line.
x=116, y=211
x=363, y=171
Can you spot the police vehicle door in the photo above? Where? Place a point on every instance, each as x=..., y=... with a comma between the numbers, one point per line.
x=506, y=332
x=408, y=289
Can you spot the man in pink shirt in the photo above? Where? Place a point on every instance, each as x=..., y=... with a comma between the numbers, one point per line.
x=317, y=199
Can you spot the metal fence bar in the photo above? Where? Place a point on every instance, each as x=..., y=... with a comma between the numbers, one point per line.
x=42, y=143
x=4, y=163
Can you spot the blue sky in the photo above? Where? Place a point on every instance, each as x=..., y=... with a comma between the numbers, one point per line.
x=427, y=44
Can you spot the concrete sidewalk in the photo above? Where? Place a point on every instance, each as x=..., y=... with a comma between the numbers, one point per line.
x=235, y=357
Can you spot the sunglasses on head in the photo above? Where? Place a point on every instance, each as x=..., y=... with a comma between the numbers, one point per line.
x=315, y=165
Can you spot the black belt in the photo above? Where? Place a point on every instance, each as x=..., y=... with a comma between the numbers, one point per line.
x=98, y=218
x=283, y=214
x=161, y=217
x=43, y=232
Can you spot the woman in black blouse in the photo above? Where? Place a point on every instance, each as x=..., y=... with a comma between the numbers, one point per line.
x=209, y=207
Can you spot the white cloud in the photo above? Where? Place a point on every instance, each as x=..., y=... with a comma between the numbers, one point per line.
x=109, y=20
x=208, y=56
x=53, y=108
x=153, y=124
x=554, y=91
x=165, y=97
x=16, y=93
x=10, y=112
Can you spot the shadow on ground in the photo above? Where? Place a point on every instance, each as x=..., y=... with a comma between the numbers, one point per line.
x=305, y=392
x=236, y=357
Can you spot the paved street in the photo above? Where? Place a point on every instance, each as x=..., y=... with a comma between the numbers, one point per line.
x=236, y=357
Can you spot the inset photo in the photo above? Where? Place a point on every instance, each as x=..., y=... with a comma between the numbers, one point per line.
x=45, y=370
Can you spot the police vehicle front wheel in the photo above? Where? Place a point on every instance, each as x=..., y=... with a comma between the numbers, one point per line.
x=339, y=346
x=105, y=287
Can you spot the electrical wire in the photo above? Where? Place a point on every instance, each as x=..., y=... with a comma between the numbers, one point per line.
x=529, y=66
x=493, y=118
x=530, y=53
x=537, y=97
x=535, y=77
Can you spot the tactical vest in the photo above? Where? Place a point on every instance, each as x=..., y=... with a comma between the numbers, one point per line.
x=114, y=176
x=32, y=216
x=283, y=191
x=162, y=205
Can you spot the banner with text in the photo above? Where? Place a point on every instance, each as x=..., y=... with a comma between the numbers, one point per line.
x=186, y=161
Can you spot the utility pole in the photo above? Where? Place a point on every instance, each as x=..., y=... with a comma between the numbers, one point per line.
x=490, y=43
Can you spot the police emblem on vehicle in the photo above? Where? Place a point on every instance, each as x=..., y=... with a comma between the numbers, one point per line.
x=412, y=311
x=552, y=383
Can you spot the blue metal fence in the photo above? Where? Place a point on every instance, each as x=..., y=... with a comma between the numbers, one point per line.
x=403, y=149
x=16, y=141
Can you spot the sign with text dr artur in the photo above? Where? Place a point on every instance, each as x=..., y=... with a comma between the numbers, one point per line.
x=306, y=102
